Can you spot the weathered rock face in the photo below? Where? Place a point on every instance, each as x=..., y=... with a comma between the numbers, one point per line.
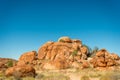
x=27, y=58
x=56, y=64
x=65, y=48
x=21, y=71
x=104, y=59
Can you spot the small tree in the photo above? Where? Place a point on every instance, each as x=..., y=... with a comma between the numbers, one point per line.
x=89, y=49
x=94, y=51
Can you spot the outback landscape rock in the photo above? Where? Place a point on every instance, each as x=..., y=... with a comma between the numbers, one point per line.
x=66, y=53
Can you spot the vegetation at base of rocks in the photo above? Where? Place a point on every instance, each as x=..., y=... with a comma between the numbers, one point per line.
x=85, y=74
x=91, y=52
x=9, y=63
x=17, y=75
x=85, y=77
x=51, y=76
x=95, y=74
x=1, y=74
x=110, y=76
x=28, y=78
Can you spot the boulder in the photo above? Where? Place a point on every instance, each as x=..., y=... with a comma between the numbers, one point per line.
x=101, y=53
x=27, y=58
x=56, y=64
x=60, y=64
x=85, y=64
x=65, y=39
x=115, y=56
x=22, y=71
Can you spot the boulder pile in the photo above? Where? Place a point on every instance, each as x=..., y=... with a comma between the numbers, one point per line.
x=104, y=59
x=63, y=53
x=23, y=67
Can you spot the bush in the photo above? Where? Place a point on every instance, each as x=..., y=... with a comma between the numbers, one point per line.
x=94, y=51
x=9, y=63
x=74, y=52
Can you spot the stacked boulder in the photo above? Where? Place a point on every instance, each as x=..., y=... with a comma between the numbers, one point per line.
x=27, y=58
x=104, y=59
x=23, y=67
x=63, y=53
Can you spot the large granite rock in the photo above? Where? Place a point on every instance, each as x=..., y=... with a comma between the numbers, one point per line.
x=27, y=58
x=71, y=50
x=21, y=71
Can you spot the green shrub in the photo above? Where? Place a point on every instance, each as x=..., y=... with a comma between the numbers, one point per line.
x=9, y=63
x=74, y=52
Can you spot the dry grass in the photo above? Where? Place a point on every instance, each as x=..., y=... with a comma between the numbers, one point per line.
x=71, y=74
x=85, y=78
x=51, y=76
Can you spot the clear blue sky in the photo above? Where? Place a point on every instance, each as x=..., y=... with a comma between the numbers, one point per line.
x=27, y=24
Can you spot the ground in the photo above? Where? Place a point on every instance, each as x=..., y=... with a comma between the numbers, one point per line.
x=70, y=74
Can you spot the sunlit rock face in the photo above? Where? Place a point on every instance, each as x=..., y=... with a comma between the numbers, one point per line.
x=66, y=50
x=27, y=58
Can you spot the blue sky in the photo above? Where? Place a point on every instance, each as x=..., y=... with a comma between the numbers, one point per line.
x=27, y=24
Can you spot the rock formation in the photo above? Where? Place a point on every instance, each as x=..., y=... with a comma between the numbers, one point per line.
x=104, y=59
x=62, y=54
x=65, y=51
x=23, y=67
